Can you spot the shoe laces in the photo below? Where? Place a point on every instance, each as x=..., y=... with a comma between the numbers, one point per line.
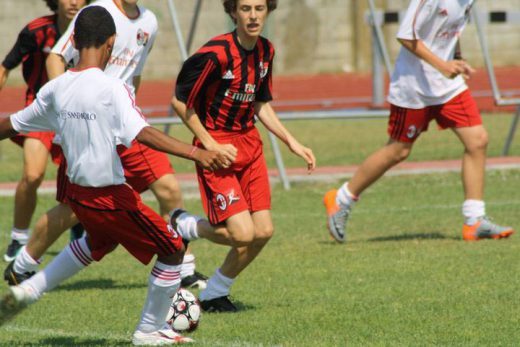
x=340, y=217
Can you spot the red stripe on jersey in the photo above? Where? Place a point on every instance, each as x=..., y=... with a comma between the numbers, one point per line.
x=42, y=21
x=246, y=112
x=133, y=102
x=421, y=4
x=38, y=62
x=196, y=88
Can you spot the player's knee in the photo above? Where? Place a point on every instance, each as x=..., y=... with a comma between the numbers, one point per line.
x=243, y=237
x=478, y=143
x=33, y=179
x=173, y=258
x=401, y=154
x=263, y=235
x=167, y=189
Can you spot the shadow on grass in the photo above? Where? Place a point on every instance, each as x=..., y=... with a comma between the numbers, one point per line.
x=418, y=236
x=103, y=283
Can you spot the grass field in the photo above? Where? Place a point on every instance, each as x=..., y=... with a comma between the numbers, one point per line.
x=405, y=278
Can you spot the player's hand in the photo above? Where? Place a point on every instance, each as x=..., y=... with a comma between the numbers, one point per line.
x=304, y=152
x=210, y=160
x=453, y=68
x=468, y=71
x=227, y=150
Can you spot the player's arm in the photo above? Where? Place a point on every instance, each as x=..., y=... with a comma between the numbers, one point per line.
x=450, y=68
x=55, y=65
x=25, y=44
x=192, y=121
x=159, y=141
x=6, y=129
x=270, y=120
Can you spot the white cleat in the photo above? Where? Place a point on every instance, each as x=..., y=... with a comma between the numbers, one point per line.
x=164, y=336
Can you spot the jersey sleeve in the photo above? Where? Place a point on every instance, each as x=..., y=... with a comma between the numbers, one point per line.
x=265, y=92
x=130, y=120
x=25, y=44
x=37, y=116
x=64, y=46
x=419, y=13
x=198, y=70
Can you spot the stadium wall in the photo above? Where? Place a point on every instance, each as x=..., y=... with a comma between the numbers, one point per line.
x=311, y=36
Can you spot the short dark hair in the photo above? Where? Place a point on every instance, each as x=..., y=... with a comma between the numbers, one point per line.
x=93, y=27
x=53, y=4
x=230, y=6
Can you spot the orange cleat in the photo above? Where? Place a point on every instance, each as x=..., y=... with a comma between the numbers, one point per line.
x=485, y=229
x=337, y=216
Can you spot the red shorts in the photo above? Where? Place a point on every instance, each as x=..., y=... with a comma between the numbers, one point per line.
x=116, y=215
x=242, y=187
x=46, y=138
x=405, y=124
x=143, y=165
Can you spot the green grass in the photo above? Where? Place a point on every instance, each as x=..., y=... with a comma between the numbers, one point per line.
x=404, y=278
x=334, y=142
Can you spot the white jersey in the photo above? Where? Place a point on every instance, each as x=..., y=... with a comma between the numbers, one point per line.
x=92, y=112
x=438, y=24
x=134, y=40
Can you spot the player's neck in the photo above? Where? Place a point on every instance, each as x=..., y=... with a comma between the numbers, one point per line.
x=247, y=42
x=131, y=11
x=63, y=23
x=91, y=57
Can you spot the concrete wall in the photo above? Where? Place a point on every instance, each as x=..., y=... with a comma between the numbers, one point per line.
x=311, y=36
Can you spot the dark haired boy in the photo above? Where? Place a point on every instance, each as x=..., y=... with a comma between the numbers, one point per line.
x=93, y=112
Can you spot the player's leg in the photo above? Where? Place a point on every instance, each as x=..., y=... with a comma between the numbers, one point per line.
x=47, y=230
x=404, y=127
x=35, y=156
x=476, y=224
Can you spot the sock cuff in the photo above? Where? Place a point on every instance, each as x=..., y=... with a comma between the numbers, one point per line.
x=350, y=194
x=80, y=252
x=225, y=280
x=164, y=275
x=188, y=258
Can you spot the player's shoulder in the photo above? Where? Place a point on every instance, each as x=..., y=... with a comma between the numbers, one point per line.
x=147, y=15
x=217, y=47
x=41, y=22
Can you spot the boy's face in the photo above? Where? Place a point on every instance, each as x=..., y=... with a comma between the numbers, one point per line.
x=69, y=8
x=250, y=16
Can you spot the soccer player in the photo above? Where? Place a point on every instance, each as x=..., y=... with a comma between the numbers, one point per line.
x=93, y=112
x=428, y=83
x=144, y=167
x=219, y=91
x=31, y=49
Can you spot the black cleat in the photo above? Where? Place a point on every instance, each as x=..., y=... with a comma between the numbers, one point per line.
x=14, y=278
x=76, y=232
x=220, y=304
x=195, y=281
x=12, y=250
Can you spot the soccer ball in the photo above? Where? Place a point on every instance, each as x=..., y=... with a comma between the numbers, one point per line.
x=184, y=314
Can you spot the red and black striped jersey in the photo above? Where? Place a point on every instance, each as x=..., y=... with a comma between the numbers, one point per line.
x=32, y=47
x=222, y=81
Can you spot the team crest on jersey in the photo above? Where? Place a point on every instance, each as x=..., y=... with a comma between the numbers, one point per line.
x=264, y=69
x=249, y=88
x=412, y=132
x=142, y=37
x=221, y=201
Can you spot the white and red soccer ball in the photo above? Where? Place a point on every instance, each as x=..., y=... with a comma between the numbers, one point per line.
x=185, y=311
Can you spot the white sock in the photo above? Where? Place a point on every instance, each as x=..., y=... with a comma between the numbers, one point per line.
x=20, y=235
x=163, y=283
x=25, y=263
x=345, y=198
x=187, y=225
x=72, y=259
x=218, y=285
x=473, y=210
x=188, y=265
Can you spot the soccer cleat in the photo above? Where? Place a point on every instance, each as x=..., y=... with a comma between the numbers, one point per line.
x=164, y=336
x=76, y=232
x=336, y=216
x=12, y=303
x=12, y=250
x=14, y=278
x=220, y=304
x=195, y=281
x=485, y=229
